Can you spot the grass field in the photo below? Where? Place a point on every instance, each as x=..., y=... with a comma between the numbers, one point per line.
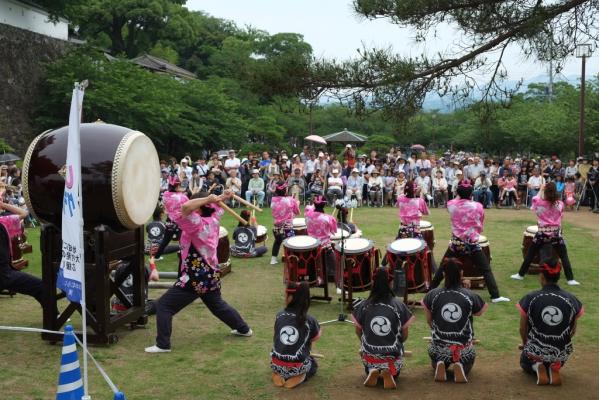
x=208, y=363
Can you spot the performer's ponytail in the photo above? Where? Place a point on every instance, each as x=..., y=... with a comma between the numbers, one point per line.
x=300, y=300
x=381, y=290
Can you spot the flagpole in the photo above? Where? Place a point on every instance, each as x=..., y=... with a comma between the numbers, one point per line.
x=81, y=87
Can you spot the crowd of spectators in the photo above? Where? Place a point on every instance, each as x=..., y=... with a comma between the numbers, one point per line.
x=374, y=179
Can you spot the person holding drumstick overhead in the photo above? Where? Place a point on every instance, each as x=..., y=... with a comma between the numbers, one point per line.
x=199, y=276
x=548, y=320
x=467, y=218
x=284, y=209
x=550, y=210
x=382, y=323
x=449, y=312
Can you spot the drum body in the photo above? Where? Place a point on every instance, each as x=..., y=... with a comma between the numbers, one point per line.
x=472, y=272
x=120, y=176
x=527, y=238
x=223, y=251
x=16, y=248
x=417, y=258
x=428, y=233
x=299, y=226
x=361, y=259
x=303, y=260
x=261, y=234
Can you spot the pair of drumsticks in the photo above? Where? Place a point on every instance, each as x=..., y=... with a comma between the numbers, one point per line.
x=234, y=214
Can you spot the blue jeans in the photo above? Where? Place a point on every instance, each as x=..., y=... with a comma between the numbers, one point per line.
x=259, y=196
x=532, y=193
x=478, y=194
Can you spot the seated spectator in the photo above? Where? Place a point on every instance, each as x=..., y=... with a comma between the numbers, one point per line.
x=244, y=238
x=296, y=184
x=571, y=169
x=534, y=184
x=423, y=182
x=440, y=192
x=482, y=190
x=400, y=183
x=197, y=183
x=354, y=186
x=560, y=185
x=255, y=188
x=508, y=187
x=233, y=183
x=375, y=188
x=317, y=184
x=335, y=187
x=389, y=182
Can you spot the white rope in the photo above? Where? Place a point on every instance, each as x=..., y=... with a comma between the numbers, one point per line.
x=38, y=330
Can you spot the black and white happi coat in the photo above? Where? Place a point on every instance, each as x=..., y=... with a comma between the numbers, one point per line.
x=381, y=325
x=452, y=330
x=292, y=343
x=551, y=313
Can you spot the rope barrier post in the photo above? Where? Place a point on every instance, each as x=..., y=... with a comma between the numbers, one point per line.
x=119, y=396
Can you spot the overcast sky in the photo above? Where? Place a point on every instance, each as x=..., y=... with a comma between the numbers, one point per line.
x=334, y=31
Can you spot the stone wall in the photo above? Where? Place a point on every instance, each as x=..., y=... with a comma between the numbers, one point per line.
x=22, y=58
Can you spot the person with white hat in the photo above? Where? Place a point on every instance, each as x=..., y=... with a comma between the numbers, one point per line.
x=335, y=184
x=185, y=168
x=354, y=186
x=255, y=188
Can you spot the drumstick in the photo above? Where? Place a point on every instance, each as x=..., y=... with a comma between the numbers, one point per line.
x=247, y=203
x=317, y=355
x=233, y=213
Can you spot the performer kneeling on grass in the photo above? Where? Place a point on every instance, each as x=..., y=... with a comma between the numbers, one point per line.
x=294, y=332
x=547, y=324
x=467, y=218
x=382, y=323
x=245, y=239
x=199, y=276
x=449, y=312
x=17, y=281
x=321, y=226
x=284, y=209
x=550, y=210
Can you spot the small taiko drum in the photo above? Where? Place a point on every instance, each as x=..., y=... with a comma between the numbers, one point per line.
x=428, y=233
x=223, y=251
x=120, y=176
x=261, y=234
x=361, y=259
x=472, y=272
x=299, y=226
x=415, y=254
x=529, y=235
x=303, y=260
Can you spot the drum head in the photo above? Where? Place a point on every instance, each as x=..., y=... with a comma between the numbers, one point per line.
x=301, y=242
x=223, y=232
x=358, y=234
x=135, y=179
x=533, y=229
x=406, y=246
x=341, y=233
x=299, y=222
x=483, y=241
x=261, y=230
x=425, y=225
x=355, y=245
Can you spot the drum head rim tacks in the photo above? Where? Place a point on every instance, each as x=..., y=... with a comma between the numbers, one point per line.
x=25, y=172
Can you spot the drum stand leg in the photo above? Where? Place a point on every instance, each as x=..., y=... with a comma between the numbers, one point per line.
x=342, y=317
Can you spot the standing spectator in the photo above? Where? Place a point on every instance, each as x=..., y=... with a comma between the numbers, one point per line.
x=322, y=164
x=310, y=167
x=233, y=183
x=255, y=188
x=305, y=154
x=375, y=188
x=317, y=184
x=449, y=177
x=334, y=163
x=232, y=162
x=593, y=176
x=361, y=163
x=297, y=164
x=438, y=168
x=296, y=184
x=349, y=154
x=163, y=180
x=272, y=169
x=196, y=183
x=401, y=166
x=389, y=182
x=571, y=169
x=522, y=180
x=202, y=167
x=423, y=163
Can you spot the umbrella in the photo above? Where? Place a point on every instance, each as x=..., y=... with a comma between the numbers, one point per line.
x=417, y=147
x=316, y=139
x=8, y=157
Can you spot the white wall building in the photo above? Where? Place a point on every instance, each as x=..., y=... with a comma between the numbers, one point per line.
x=26, y=15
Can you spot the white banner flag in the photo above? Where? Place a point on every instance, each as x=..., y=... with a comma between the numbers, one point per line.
x=71, y=273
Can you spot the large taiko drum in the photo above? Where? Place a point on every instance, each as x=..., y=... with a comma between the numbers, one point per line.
x=416, y=256
x=223, y=251
x=303, y=260
x=361, y=259
x=529, y=235
x=342, y=233
x=120, y=176
x=299, y=226
x=472, y=272
x=428, y=233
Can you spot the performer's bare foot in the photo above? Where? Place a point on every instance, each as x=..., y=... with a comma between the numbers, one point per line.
x=440, y=372
x=388, y=380
x=372, y=378
x=278, y=380
x=294, y=381
x=554, y=377
x=542, y=375
x=459, y=376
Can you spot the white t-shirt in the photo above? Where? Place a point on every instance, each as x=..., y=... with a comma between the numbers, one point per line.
x=535, y=182
x=232, y=163
x=335, y=182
